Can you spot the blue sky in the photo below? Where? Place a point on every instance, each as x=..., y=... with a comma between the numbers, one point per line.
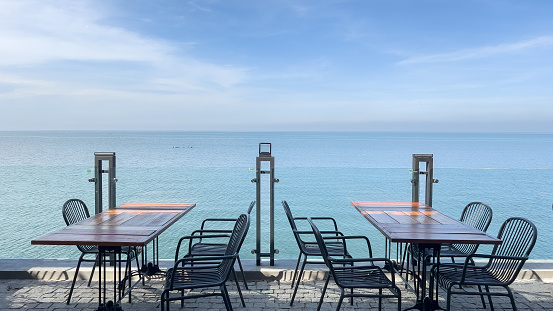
x=264, y=65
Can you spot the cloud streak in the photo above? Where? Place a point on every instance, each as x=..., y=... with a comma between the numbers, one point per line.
x=480, y=52
x=36, y=33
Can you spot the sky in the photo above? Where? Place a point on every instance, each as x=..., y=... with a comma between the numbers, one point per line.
x=277, y=65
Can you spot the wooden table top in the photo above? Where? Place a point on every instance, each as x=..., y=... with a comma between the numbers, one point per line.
x=413, y=222
x=130, y=224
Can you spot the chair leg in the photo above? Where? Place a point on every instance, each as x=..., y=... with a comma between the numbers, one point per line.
x=75, y=278
x=482, y=297
x=238, y=287
x=242, y=271
x=489, y=297
x=162, y=304
x=380, y=299
x=93, y=269
x=128, y=272
x=297, y=283
x=511, y=297
x=137, y=262
x=226, y=297
x=448, y=303
x=324, y=292
x=398, y=298
x=296, y=270
x=341, y=299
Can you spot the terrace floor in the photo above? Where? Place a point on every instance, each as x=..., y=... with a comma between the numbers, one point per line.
x=44, y=285
x=263, y=295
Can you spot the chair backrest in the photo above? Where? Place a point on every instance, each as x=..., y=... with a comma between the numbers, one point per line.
x=252, y=204
x=301, y=243
x=322, y=245
x=236, y=239
x=288, y=213
x=477, y=215
x=73, y=211
x=518, y=236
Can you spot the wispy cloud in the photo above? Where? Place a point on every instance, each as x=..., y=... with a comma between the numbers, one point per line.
x=44, y=32
x=35, y=32
x=480, y=52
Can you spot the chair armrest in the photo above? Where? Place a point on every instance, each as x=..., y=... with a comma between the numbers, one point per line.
x=320, y=218
x=216, y=220
x=200, y=232
x=469, y=259
x=337, y=233
x=190, y=238
x=351, y=261
x=489, y=256
x=352, y=237
x=191, y=259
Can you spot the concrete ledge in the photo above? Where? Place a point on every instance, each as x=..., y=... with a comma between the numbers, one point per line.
x=283, y=270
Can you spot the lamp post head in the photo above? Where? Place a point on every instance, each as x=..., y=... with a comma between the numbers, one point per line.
x=264, y=149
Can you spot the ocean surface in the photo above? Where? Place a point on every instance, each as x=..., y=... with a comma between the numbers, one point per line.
x=319, y=173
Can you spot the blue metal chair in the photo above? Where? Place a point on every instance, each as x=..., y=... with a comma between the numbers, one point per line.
x=518, y=237
x=477, y=215
x=209, y=271
x=356, y=273
x=310, y=248
x=212, y=242
x=75, y=210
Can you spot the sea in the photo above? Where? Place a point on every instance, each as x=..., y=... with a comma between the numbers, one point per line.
x=319, y=174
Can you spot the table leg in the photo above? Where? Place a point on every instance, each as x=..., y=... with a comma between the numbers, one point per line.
x=111, y=305
x=152, y=268
x=426, y=302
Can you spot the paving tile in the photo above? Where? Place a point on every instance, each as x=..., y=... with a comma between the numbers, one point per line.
x=263, y=296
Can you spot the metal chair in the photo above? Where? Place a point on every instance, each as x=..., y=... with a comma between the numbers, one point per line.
x=349, y=274
x=209, y=240
x=205, y=272
x=311, y=248
x=518, y=237
x=73, y=211
x=477, y=215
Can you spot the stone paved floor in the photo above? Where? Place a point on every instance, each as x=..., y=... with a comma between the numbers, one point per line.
x=263, y=295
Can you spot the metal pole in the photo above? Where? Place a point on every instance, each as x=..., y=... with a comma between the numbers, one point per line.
x=429, y=172
x=265, y=156
x=429, y=181
x=258, y=212
x=112, y=180
x=272, y=211
x=97, y=180
x=97, y=185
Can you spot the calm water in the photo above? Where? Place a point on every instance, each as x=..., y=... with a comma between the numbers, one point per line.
x=320, y=173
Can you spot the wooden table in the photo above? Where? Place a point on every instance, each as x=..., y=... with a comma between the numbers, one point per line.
x=130, y=224
x=417, y=223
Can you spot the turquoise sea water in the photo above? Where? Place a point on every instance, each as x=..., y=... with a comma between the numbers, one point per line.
x=320, y=173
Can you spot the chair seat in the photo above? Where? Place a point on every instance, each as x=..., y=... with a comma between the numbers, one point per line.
x=362, y=277
x=199, y=278
x=334, y=249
